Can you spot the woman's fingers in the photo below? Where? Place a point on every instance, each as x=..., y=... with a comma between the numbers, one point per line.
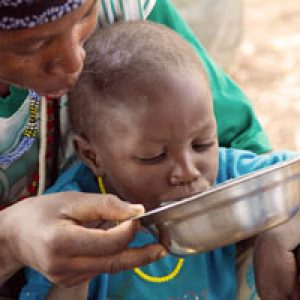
x=84, y=207
x=84, y=268
x=76, y=240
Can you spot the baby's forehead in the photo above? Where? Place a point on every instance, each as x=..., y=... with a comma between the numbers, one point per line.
x=146, y=92
x=172, y=90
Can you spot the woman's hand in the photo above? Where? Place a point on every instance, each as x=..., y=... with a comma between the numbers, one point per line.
x=47, y=234
x=275, y=262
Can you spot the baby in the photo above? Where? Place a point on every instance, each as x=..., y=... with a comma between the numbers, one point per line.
x=144, y=125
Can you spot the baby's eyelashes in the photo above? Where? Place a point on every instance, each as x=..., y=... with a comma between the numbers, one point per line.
x=153, y=159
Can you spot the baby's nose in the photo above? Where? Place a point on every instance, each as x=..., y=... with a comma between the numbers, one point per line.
x=184, y=173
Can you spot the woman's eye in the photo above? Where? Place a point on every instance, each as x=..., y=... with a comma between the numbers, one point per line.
x=32, y=49
x=149, y=160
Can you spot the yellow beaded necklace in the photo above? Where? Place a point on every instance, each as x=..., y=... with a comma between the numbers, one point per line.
x=138, y=271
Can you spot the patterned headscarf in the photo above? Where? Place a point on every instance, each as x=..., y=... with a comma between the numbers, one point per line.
x=21, y=14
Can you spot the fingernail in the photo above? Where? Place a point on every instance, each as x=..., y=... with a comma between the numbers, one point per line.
x=162, y=253
x=139, y=208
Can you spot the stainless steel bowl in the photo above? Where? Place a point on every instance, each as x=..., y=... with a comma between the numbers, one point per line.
x=228, y=213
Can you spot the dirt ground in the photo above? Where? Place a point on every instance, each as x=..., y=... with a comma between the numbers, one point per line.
x=267, y=66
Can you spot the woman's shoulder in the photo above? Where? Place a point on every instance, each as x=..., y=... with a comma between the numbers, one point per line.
x=124, y=10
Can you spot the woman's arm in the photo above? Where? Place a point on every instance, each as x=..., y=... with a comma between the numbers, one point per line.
x=277, y=261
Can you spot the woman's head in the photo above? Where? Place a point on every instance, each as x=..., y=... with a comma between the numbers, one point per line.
x=42, y=42
x=143, y=115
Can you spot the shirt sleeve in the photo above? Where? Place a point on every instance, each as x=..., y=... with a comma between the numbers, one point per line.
x=111, y=11
x=36, y=287
x=238, y=126
x=234, y=163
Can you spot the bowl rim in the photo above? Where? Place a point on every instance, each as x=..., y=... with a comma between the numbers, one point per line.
x=222, y=186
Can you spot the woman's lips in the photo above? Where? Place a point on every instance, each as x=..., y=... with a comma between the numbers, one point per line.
x=55, y=94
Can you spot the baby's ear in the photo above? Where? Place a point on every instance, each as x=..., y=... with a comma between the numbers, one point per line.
x=88, y=154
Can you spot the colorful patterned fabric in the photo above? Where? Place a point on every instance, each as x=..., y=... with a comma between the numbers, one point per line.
x=29, y=135
x=19, y=154
x=20, y=144
x=20, y=14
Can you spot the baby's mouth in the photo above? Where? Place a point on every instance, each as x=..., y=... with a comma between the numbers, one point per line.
x=184, y=196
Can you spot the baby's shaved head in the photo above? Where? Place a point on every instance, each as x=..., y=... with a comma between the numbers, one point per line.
x=120, y=60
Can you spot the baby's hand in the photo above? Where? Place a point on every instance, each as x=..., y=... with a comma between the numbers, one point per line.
x=275, y=262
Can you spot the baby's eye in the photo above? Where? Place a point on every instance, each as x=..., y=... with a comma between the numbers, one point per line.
x=151, y=160
x=199, y=147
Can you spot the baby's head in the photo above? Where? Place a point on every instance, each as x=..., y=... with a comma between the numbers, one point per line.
x=142, y=115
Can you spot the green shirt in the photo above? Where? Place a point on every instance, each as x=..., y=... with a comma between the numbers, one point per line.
x=238, y=126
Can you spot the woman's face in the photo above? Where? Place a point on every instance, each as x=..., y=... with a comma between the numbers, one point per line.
x=48, y=58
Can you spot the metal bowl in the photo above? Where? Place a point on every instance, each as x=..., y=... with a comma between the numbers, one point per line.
x=230, y=212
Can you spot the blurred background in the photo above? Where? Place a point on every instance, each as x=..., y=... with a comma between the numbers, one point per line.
x=258, y=43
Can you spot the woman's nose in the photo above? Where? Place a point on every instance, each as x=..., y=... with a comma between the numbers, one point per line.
x=68, y=60
x=184, y=172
